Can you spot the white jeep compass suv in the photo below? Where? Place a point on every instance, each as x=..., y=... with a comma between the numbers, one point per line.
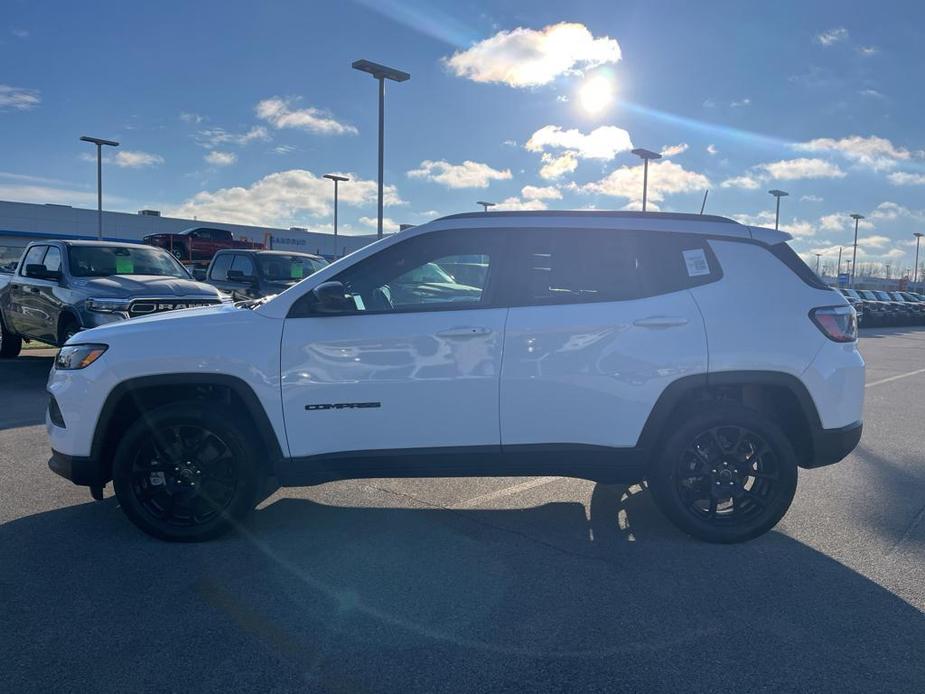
x=692, y=352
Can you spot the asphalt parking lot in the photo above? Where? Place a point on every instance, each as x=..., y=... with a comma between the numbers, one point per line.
x=474, y=585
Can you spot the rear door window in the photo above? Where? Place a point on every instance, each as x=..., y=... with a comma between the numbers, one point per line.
x=244, y=264
x=220, y=267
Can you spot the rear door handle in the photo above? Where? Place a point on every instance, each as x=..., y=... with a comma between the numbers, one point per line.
x=661, y=322
x=464, y=332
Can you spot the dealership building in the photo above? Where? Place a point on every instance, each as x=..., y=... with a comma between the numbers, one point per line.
x=22, y=222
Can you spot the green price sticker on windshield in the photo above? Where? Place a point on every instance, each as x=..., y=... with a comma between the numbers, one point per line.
x=296, y=271
x=124, y=266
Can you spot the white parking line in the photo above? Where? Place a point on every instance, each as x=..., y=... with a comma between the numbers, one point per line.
x=895, y=378
x=507, y=491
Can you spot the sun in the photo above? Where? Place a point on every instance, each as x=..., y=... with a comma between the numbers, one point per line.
x=596, y=94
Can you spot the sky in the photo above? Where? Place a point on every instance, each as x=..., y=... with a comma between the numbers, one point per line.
x=233, y=111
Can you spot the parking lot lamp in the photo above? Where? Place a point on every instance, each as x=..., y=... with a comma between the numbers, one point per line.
x=854, y=256
x=337, y=179
x=839, y=262
x=99, y=142
x=818, y=255
x=915, y=268
x=381, y=73
x=485, y=205
x=777, y=194
x=645, y=155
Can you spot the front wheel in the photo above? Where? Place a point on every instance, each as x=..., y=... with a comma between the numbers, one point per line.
x=725, y=475
x=187, y=472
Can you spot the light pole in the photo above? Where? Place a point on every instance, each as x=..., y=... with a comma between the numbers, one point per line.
x=818, y=255
x=839, y=262
x=337, y=179
x=99, y=142
x=381, y=73
x=854, y=256
x=915, y=268
x=645, y=155
x=485, y=205
x=778, y=194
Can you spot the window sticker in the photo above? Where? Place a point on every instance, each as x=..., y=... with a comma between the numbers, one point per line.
x=696, y=261
x=124, y=266
x=296, y=271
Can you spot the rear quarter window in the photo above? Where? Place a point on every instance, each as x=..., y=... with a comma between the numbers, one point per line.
x=784, y=253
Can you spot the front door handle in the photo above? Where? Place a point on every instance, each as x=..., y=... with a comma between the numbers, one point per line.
x=661, y=322
x=464, y=332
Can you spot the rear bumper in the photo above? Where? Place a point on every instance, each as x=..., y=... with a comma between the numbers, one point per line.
x=85, y=472
x=832, y=445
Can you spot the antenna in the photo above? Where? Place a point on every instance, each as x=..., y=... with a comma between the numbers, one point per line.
x=705, y=194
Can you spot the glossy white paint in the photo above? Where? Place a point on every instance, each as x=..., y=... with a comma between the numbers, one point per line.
x=835, y=380
x=590, y=373
x=217, y=339
x=434, y=375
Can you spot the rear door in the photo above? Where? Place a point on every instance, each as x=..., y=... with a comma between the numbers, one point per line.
x=47, y=304
x=24, y=313
x=602, y=322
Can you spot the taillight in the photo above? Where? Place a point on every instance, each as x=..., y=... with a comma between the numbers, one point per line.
x=838, y=323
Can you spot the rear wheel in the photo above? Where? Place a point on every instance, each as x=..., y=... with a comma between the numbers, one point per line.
x=10, y=344
x=187, y=472
x=179, y=253
x=725, y=475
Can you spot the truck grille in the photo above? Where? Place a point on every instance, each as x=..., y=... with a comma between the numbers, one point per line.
x=145, y=307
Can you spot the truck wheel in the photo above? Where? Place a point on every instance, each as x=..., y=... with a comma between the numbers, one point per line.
x=179, y=253
x=67, y=329
x=187, y=472
x=725, y=475
x=10, y=344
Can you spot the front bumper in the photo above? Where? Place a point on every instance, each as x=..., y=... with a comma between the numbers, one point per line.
x=85, y=472
x=832, y=445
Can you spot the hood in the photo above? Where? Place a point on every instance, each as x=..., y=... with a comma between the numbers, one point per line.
x=127, y=286
x=181, y=320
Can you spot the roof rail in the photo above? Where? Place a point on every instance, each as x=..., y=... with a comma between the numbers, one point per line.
x=618, y=214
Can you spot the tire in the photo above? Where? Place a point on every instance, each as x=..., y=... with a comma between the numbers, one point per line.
x=10, y=344
x=187, y=472
x=725, y=475
x=179, y=252
x=67, y=329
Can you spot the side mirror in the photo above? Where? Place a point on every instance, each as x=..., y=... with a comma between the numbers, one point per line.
x=199, y=274
x=331, y=297
x=238, y=276
x=39, y=272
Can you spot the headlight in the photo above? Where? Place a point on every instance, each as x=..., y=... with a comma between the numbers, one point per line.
x=108, y=305
x=72, y=357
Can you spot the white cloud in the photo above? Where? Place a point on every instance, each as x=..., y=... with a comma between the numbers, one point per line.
x=604, y=143
x=541, y=193
x=868, y=51
x=283, y=149
x=743, y=182
x=529, y=57
x=280, y=113
x=902, y=178
x=193, y=118
x=765, y=218
x=674, y=150
x=874, y=152
x=871, y=93
x=711, y=149
x=389, y=226
x=469, y=174
x=217, y=158
x=555, y=166
x=133, y=159
x=47, y=194
x=739, y=103
x=18, y=98
x=832, y=36
x=20, y=33
x=280, y=199
x=515, y=204
x=665, y=178
x=874, y=241
x=214, y=137
x=832, y=222
x=891, y=211
x=810, y=198
x=794, y=169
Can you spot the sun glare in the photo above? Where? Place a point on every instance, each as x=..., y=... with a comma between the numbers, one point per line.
x=596, y=94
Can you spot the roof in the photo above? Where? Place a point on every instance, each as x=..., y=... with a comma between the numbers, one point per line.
x=106, y=244
x=677, y=222
x=265, y=251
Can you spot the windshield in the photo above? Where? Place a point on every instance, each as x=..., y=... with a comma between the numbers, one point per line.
x=105, y=261
x=867, y=294
x=850, y=292
x=883, y=296
x=279, y=268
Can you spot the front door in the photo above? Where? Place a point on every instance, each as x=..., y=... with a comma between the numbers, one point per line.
x=415, y=364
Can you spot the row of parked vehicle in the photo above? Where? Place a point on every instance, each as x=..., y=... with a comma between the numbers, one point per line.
x=878, y=307
x=59, y=288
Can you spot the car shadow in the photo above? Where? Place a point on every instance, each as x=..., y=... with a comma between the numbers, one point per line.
x=315, y=597
x=22, y=390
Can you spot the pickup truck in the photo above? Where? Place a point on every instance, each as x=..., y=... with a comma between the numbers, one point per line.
x=246, y=274
x=59, y=288
x=198, y=244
